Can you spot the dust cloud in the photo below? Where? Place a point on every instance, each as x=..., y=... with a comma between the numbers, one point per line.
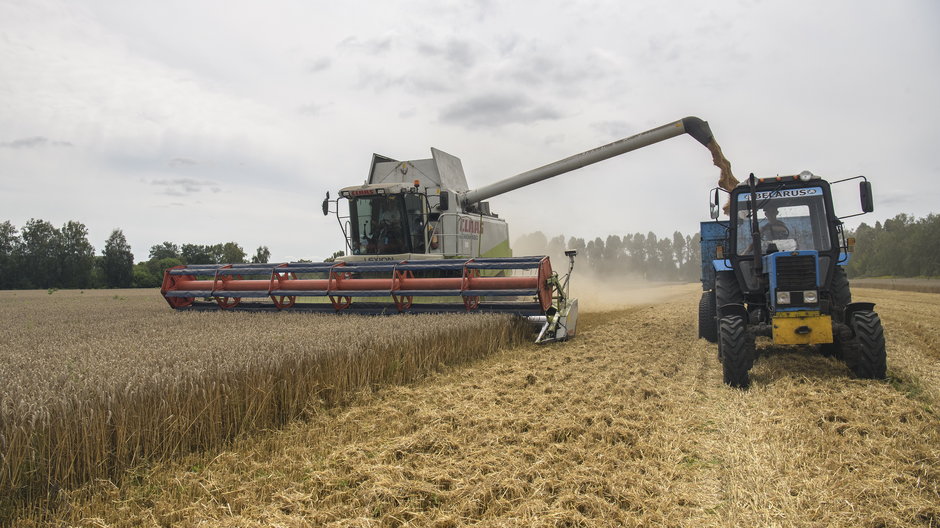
x=606, y=294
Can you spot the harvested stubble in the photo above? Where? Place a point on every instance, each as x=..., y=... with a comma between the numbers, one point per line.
x=900, y=284
x=627, y=425
x=93, y=383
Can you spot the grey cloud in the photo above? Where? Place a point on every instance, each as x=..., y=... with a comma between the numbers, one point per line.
x=34, y=142
x=319, y=64
x=496, y=109
x=311, y=109
x=548, y=68
x=459, y=53
x=184, y=186
x=507, y=44
x=614, y=129
x=182, y=162
x=371, y=46
x=413, y=82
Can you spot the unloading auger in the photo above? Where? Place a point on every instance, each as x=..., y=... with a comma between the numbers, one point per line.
x=419, y=240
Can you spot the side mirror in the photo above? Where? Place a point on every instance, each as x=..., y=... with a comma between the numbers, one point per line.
x=326, y=204
x=444, y=203
x=713, y=209
x=864, y=192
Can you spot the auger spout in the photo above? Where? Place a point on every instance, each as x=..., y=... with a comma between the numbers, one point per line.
x=695, y=127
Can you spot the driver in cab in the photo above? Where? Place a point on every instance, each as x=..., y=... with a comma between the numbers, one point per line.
x=389, y=230
x=773, y=229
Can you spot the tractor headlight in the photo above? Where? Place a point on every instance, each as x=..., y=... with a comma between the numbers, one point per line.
x=806, y=176
x=783, y=297
x=810, y=296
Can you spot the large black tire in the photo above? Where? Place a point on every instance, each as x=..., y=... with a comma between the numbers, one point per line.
x=840, y=293
x=736, y=350
x=727, y=289
x=707, y=322
x=865, y=354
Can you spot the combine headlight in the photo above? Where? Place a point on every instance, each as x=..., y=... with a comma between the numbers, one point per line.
x=806, y=176
x=783, y=297
x=810, y=296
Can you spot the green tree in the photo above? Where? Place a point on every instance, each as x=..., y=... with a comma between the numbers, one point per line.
x=40, y=252
x=262, y=255
x=196, y=254
x=76, y=256
x=232, y=253
x=332, y=258
x=143, y=277
x=118, y=261
x=901, y=247
x=164, y=250
x=9, y=256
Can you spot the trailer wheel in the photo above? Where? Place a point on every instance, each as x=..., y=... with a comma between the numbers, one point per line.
x=707, y=322
x=865, y=354
x=736, y=350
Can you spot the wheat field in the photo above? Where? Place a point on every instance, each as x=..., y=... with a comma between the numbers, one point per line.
x=97, y=382
x=629, y=424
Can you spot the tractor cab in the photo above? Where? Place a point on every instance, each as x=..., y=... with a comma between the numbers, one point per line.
x=787, y=226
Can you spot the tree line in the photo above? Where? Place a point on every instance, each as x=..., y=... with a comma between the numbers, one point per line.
x=648, y=257
x=40, y=255
x=903, y=246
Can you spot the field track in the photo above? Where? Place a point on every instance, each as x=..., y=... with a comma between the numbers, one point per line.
x=627, y=425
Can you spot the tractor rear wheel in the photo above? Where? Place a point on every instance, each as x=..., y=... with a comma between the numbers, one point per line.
x=736, y=350
x=865, y=354
x=707, y=323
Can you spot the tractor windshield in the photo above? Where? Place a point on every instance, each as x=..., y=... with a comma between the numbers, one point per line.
x=788, y=220
x=386, y=224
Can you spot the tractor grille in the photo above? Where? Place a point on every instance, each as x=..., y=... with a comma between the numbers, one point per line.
x=796, y=273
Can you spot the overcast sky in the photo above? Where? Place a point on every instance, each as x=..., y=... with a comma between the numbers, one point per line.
x=205, y=122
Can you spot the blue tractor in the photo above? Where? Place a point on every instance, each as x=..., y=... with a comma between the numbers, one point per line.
x=776, y=270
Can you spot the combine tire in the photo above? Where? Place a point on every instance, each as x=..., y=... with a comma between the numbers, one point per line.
x=736, y=350
x=707, y=322
x=865, y=354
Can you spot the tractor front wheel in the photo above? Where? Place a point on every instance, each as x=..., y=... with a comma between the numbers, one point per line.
x=736, y=350
x=707, y=324
x=865, y=354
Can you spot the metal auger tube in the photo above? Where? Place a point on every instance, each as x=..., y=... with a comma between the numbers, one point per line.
x=693, y=126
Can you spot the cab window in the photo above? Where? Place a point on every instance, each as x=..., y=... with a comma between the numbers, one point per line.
x=785, y=224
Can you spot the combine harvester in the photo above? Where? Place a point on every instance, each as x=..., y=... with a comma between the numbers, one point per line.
x=419, y=240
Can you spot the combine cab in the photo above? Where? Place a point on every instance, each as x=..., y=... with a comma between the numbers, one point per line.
x=776, y=270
